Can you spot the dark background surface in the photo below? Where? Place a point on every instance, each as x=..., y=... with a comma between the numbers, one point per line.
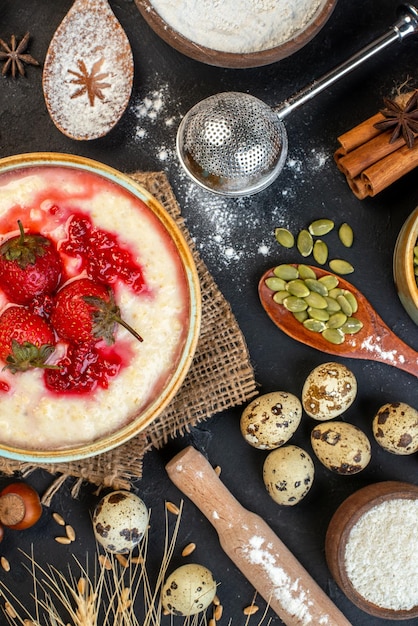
x=235, y=238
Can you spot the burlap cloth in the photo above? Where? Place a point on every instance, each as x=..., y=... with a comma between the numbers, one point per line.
x=220, y=377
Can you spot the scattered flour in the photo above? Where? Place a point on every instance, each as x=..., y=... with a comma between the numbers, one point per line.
x=238, y=26
x=222, y=220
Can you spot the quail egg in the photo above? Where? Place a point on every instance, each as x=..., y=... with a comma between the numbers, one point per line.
x=189, y=590
x=395, y=428
x=343, y=448
x=288, y=474
x=271, y=419
x=328, y=391
x=120, y=521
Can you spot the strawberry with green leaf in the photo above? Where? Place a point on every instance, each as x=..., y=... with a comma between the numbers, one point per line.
x=30, y=266
x=86, y=312
x=26, y=340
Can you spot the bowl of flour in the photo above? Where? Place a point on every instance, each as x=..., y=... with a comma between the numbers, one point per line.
x=371, y=548
x=236, y=33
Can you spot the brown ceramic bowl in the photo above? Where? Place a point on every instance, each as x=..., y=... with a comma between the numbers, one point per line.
x=339, y=534
x=232, y=59
x=403, y=266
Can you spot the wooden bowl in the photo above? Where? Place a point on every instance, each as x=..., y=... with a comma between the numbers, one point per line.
x=195, y=50
x=403, y=265
x=339, y=533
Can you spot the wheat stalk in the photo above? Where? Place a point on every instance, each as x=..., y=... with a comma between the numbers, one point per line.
x=104, y=598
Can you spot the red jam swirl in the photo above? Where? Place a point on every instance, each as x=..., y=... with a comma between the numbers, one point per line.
x=101, y=255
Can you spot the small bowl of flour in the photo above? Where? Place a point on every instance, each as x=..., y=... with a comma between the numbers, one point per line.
x=371, y=547
x=236, y=33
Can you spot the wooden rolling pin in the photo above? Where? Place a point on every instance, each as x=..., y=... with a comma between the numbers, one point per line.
x=254, y=548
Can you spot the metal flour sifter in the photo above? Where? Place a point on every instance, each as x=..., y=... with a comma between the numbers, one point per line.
x=233, y=144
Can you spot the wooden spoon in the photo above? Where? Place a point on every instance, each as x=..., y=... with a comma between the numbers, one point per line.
x=375, y=341
x=88, y=71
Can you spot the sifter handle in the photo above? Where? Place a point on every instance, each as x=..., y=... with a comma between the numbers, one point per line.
x=407, y=24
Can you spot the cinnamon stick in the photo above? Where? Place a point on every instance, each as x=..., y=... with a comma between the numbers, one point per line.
x=368, y=158
x=359, y=135
x=353, y=163
x=388, y=170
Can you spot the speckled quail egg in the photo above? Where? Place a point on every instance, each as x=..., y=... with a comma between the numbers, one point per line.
x=271, y=419
x=288, y=474
x=120, y=521
x=395, y=428
x=189, y=590
x=343, y=448
x=328, y=391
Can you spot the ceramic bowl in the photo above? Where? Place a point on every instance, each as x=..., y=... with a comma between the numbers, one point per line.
x=339, y=533
x=220, y=58
x=82, y=175
x=403, y=265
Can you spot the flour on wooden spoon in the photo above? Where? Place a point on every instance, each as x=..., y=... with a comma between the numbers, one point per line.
x=88, y=71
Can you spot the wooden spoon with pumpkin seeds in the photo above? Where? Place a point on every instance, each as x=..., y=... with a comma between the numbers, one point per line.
x=374, y=341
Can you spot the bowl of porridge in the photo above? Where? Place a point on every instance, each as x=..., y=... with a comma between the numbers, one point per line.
x=236, y=33
x=113, y=238
x=371, y=547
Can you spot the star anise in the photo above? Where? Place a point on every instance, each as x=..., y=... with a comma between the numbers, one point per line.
x=403, y=119
x=91, y=83
x=14, y=56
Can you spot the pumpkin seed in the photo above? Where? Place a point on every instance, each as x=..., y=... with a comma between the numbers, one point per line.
x=279, y=296
x=321, y=227
x=275, y=284
x=345, y=233
x=351, y=300
x=306, y=272
x=352, y=326
x=320, y=252
x=304, y=242
x=332, y=305
x=336, y=320
x=334, y=335
x=301, y=316
x=284, y=237
x=330, y=281
x=287, y=272
x=298, y=288
x=339, y=266
x=314, y=285
x=345, y=305
x=316, y=326
x=294, y=304
x=316, y=300
x=334, y=293
x=321, y=315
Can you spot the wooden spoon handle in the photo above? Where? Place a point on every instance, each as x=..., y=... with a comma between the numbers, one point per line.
x=254, y=548
x=387, y=348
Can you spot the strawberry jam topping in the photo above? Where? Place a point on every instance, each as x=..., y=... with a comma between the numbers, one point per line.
x=82, y=369
x=101, y=255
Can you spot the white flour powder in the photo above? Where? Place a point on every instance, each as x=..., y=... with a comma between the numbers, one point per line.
x=381, y=557
x=223, y=220
x=238, y=25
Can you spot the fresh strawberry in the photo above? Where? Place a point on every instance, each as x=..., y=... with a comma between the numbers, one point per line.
x=30, y=266
x=86, y=312
x=26, y=340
